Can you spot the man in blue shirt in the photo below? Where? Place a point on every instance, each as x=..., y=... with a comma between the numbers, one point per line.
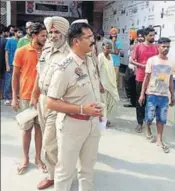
x=117, y=46
x=10, y=49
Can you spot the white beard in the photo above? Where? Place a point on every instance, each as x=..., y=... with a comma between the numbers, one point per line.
x=59, y=43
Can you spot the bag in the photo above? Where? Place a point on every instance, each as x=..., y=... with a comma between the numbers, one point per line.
x=26, y=115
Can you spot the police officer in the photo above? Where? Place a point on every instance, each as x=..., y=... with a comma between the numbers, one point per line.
x=56, y=50
x=74, y=93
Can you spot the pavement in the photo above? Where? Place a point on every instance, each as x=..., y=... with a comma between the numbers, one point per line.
x=126, y=160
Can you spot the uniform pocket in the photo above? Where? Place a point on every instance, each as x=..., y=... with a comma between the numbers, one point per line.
x=84, y=86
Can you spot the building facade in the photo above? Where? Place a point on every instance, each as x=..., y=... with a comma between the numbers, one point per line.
x=23, y=11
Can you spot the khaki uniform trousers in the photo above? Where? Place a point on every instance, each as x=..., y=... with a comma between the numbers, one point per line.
x=47, y=119
x=78, y=142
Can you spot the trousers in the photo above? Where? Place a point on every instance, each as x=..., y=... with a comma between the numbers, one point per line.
x=130, y=85
x=140, y=109
x=78, y=142
x=47, y=119
x=7, y=84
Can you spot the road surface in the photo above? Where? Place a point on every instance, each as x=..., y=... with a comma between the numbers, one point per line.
x=126, y=160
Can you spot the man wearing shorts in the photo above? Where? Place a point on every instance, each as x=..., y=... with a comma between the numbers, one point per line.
x=157, y=83
x=23, y=79
x=140, y=54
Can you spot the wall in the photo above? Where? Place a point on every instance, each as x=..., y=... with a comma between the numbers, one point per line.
x=127, y=14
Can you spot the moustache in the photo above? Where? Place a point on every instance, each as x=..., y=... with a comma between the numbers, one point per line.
x=93, y=43
x=165, y=51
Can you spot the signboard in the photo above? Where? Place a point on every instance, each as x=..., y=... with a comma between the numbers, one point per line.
x=54, y=8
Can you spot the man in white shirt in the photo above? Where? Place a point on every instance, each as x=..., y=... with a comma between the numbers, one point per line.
x=157, y=84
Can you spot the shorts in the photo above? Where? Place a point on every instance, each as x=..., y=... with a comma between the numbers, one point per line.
x=24, y=104
x=156, y=106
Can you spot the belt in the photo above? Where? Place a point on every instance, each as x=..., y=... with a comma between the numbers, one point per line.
x=80, y=117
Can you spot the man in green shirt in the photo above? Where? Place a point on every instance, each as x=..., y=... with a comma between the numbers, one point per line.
x=26, y=39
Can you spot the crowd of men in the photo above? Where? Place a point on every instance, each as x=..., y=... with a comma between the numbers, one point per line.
x=54, y=68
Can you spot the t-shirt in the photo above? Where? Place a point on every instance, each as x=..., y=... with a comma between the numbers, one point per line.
x=23, y=41
x=26, y=58
x=11, y=46
x=116, y=58
x=141, y=54
x=160, y=71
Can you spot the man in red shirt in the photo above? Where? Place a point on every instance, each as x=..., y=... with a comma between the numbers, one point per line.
x=141, y=53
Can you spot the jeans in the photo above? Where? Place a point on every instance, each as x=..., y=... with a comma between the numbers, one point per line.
x=156, y=106
x=7, y=84
x=140, y=109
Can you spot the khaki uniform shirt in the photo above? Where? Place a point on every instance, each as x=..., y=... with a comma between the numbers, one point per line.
x=75, y=81
x=48, y=61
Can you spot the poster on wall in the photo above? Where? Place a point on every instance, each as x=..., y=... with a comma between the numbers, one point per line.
x=54, y=8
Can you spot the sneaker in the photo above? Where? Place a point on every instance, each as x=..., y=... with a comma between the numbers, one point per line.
x=7, y=102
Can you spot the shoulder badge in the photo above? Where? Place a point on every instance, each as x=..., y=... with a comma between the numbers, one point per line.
x=63, y=65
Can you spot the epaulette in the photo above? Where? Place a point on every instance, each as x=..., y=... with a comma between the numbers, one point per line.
x=63, y=65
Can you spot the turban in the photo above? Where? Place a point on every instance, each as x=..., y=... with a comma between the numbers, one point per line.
x=80, y=21
x=59, y=23
x=113, y=32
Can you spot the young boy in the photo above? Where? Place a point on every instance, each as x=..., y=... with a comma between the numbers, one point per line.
x=157, y=83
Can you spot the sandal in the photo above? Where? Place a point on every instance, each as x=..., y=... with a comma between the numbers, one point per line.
x=108, y=124
x=21, y=169
x=41, y=166
x=165, y=149
x=139, y=129
x=151, y=138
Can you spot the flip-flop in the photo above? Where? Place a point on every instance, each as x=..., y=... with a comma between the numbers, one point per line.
x=165, y=149
x=21, y=169
x=41, y=166
x=151, y=138
x=139, y=129
x=108, y=124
